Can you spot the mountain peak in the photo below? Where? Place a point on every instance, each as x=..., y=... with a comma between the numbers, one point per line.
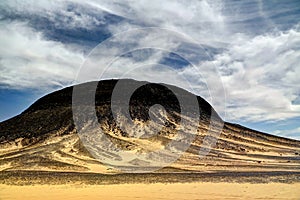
x=47, y=136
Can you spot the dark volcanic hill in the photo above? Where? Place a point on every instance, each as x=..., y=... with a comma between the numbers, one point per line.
x=45, y=138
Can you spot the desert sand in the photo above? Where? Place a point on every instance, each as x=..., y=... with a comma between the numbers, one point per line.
x=190, y=191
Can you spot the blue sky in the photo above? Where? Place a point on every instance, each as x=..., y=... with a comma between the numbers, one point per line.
x=253, y=44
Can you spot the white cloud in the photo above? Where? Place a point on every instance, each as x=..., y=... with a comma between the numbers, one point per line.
x=30, y=61
x=260, y=77
x=62, y=13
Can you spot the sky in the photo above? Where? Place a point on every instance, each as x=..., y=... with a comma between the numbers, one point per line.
x=241, y=56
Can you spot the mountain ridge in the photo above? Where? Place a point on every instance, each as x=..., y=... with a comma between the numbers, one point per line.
x=44, y=137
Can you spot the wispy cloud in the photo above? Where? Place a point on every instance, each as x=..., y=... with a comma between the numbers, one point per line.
x=260, y=76
x=294, y=133
x=30, y=61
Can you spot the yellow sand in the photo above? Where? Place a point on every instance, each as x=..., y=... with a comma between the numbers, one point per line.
x=189, y=191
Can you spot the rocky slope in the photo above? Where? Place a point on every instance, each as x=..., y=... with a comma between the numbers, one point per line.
x=44, y=137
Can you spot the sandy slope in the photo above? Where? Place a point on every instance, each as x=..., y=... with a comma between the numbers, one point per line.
x=190, y=191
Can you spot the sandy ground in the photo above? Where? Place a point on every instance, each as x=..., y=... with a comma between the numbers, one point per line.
x=199, y=191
